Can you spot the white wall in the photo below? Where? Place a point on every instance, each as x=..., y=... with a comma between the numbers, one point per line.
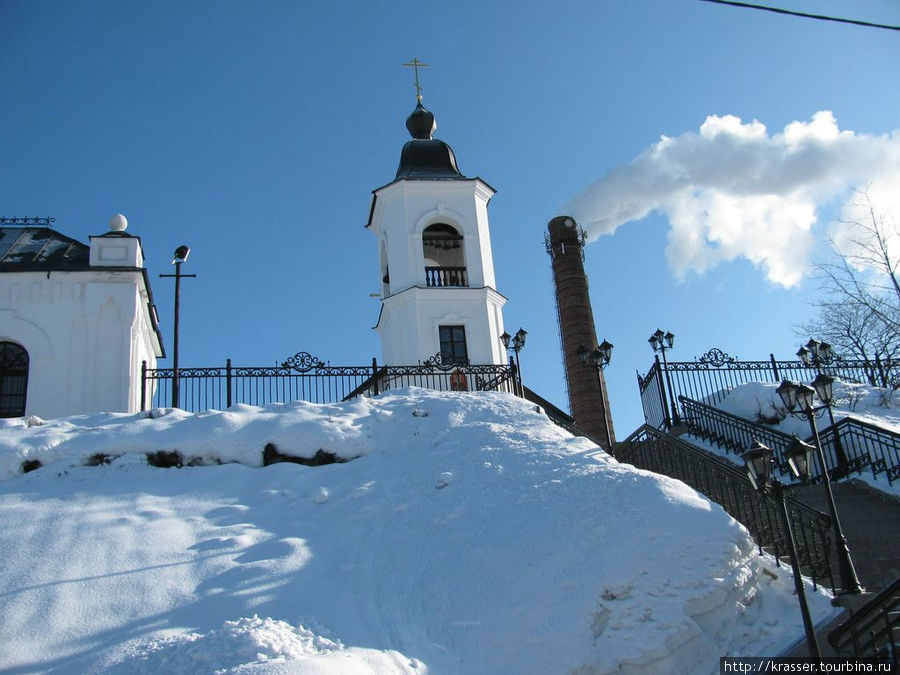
x=86, y=334
x=410, y=321
x=411, y=312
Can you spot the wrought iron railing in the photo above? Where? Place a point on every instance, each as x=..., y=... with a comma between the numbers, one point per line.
x=732, y=433
x=654, y=450
x=304, y=377
x=873, y=630
x=446, y=276
x=850, y=446
x=866, y=445
x=710, y=377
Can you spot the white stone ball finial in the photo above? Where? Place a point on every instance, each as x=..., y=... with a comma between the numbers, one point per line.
x=118, y=223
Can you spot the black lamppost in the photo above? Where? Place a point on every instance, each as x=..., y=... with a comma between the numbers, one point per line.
x=800, y=396
x=599, y=357
x=179, y=257
x=662, y=342
x=817, y=354
x=759, y=461
x=515, y=343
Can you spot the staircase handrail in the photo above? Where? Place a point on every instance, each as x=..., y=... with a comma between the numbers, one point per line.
x=867, y=444
x=655, y=450
x=872, y=628
x=863, y=444
x=733, y=432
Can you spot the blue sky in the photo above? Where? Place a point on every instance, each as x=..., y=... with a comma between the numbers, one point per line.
x=255, y=132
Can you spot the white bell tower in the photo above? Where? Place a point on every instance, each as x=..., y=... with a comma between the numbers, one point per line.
x=438, y=292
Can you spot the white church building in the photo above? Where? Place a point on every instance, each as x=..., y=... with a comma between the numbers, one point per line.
x=76, y=320
x=438, y=292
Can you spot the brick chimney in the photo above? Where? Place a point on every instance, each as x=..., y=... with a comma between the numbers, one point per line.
x=588, y=398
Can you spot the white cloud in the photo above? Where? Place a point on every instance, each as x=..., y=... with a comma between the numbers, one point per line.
x=733, y=191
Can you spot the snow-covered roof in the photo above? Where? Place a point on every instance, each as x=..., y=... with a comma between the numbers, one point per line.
x=25, y=249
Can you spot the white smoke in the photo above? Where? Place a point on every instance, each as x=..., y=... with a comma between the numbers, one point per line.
x=733, y=191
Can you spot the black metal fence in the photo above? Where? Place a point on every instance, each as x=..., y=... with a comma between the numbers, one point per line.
x=866, y=445
x=873, y=630
x=849, y=446
x=304, y=377
x=710, y=377
x=654, y=450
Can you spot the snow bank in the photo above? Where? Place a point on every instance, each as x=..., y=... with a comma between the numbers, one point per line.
x=469, y=535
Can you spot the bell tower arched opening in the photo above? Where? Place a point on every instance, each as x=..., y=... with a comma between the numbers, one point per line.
x=444, y=254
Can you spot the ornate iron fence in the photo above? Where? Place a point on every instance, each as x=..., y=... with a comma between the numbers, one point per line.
x=873, y=630
x=711, y=376
x=654, y=450
x=866, y=445
x=861, y=444
x=304, y=377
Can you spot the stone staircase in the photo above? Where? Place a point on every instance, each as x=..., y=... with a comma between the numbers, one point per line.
x=870, y=520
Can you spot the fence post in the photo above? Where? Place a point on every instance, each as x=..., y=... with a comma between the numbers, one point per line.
x=774, y=367
x=227, y=383
x=516, y=379
x=375, y=374
x=881, y=374
x=143, y=386
x=662, y=391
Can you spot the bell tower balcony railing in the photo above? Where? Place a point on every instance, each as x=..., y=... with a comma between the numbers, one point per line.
x=446, y=277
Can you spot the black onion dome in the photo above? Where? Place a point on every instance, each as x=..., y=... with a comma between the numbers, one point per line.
x=426, y=157
x=421, y=123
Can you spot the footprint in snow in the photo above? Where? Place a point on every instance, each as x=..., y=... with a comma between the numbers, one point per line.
x=443, y=480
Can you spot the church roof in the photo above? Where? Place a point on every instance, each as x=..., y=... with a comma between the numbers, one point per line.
x=25, y=249
x=424, y=157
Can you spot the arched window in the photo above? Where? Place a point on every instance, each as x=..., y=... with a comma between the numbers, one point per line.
x=445, y=261
x=13, y=379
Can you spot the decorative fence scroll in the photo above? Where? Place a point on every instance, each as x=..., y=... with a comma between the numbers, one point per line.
x=304, y=377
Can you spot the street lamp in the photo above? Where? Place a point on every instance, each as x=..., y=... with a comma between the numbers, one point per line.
x=816, y=354
x=662, y=342
x=598, y=357
x=178, y=258
x=759, y=461
x=800, y=396
x=515, y=343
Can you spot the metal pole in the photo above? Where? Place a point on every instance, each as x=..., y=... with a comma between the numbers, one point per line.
x=662, y=390
x=843, y=466
x=519, y=373
x=175, y=339
x=375, y=375
x=849, y=580
x=181, y=254
x=605, y=411
x=143, y=386
x=675, y=420
x=227, y=383
x=811, y=641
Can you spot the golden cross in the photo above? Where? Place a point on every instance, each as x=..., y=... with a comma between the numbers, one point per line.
x=415, y=63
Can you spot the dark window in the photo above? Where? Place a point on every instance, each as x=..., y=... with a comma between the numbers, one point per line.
x=13, y=379
x=453, y=344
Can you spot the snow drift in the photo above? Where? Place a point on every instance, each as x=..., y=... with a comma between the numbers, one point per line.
x=468, y=535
